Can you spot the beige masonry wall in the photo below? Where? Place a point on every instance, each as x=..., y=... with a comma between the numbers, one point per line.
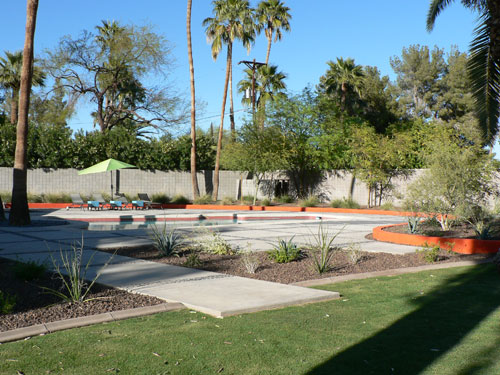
x=335, y=184
x=129, y=181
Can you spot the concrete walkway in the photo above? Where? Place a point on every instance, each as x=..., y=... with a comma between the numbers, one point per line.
x=208, y=292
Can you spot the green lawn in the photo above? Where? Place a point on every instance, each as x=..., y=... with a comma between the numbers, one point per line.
x=436, y=322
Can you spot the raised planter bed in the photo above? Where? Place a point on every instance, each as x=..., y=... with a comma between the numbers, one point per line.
x=458, y=245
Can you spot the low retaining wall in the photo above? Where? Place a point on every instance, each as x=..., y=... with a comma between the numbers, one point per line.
x=458, y=245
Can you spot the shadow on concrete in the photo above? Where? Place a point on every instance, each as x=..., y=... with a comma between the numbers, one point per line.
x=443, y=318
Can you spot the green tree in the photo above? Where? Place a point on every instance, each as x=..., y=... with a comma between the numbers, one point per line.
x=345, y=80
x=460, y=176
x=419, y=72
x=378, y=102
x=298, y=120
x=273, y=16
x=255, y=150
x=377, y=162
x=111, y=67
x=10, y=79
x=19, y=212
x=484, y=63
x=232, y=20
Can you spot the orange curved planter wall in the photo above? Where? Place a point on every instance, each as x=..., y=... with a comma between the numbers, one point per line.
x=458, y=245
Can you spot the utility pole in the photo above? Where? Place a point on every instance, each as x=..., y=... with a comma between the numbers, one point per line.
x=252, y=65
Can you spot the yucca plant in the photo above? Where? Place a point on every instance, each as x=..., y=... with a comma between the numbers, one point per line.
x=73, y=274
x=167, y=242
x=322, y=249
x=413, y=222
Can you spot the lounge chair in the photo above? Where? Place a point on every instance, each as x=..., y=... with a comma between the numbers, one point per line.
x=145, y=202
x=120, y=203
x=76, y=202
x=97, y=202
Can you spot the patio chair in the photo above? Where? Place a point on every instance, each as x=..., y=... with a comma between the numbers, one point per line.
x=97, y=202
x=145, y=202
x=76, y=202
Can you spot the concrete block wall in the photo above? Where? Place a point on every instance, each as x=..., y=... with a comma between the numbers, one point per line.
x=129, y=181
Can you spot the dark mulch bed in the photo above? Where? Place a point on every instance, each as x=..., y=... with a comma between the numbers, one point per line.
x=34, y=306
x=300, y=270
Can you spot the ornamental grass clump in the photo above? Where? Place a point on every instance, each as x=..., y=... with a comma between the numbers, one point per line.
x=285, y=251
x=72, y=271
x=322, y=249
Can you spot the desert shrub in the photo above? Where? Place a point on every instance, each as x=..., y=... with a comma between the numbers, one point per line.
x=214, y=243
x=248, y=199
x=322, y=248
x=35, y=198
x=311, y=201
x=387, y=206
x=265, y=202
x=284, y=199
x=344, y=203
x=203, y=199
x=227, y=201
x=7, y=303
x=429, y=253
x=354, y=254
x=166, y=241
x=285, y=251
x=6, y=196
x=180, y=199
x=161, y=198
x=250, y=261
x=193, y=260
x=30, y=270
x=56, y=198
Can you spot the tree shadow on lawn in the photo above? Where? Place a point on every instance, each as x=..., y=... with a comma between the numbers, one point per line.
x=443, y=318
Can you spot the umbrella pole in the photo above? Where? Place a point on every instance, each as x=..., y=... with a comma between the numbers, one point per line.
x=111, y=185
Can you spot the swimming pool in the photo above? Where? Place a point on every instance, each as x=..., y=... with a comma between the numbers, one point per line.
x=136, y=223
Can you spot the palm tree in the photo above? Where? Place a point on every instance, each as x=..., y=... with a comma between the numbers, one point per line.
x=273, y=16
x=232, y=20
x=10, y=78
x=344, y=78
x=19, y=213
x=484, y=62
x=194, y=179
x=269, y=83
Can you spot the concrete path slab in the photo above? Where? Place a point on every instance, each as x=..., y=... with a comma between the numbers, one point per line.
x=216, y=294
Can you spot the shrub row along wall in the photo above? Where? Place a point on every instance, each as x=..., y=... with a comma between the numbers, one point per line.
x=334, y=185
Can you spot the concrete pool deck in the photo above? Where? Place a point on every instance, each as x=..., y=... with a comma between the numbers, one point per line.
x=212, y=293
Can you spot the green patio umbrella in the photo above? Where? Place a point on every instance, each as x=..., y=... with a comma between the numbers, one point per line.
x=107, y=165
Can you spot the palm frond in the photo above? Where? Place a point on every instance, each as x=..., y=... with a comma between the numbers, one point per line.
x=484, y=73
x=435, y=9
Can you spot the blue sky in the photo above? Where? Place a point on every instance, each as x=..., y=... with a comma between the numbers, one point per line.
x=369, y=31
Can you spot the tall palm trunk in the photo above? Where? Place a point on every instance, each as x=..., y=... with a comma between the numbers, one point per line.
x=231, y=105
x=221, y=127
x=19, y=213
x=14, y=106
x=269, y=42
x=194, y=179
